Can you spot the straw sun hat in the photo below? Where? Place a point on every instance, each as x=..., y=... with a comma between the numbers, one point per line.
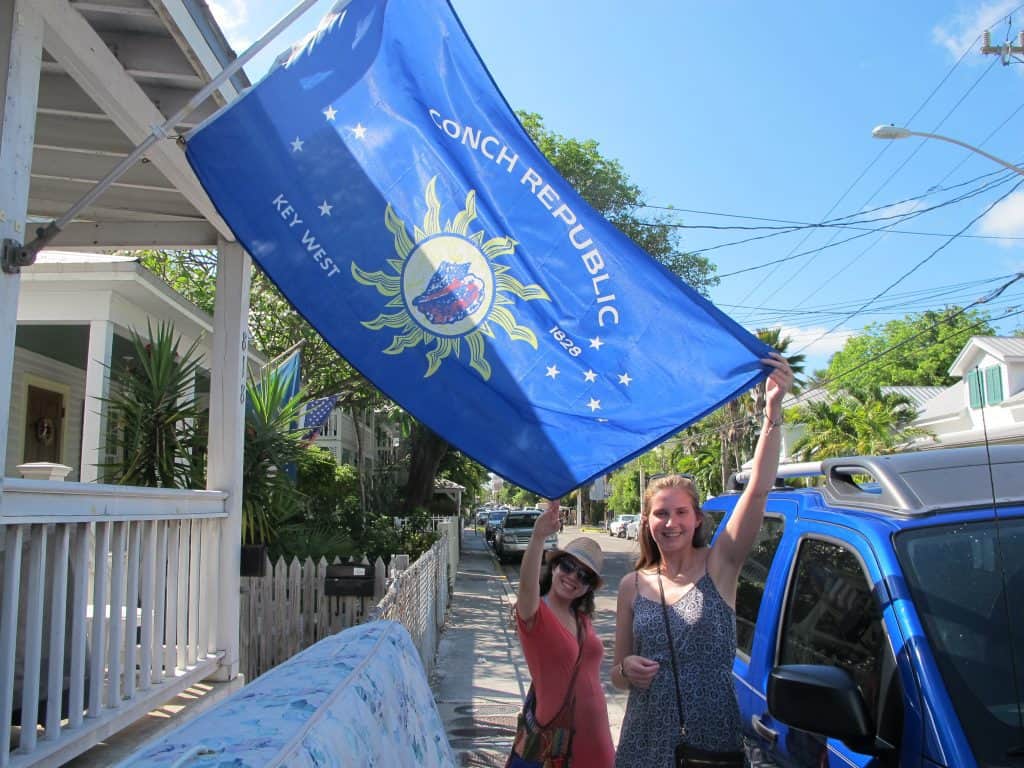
x=586, y=551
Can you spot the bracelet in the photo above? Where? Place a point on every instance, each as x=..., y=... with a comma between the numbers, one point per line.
x=775, y=422
x=622, y=673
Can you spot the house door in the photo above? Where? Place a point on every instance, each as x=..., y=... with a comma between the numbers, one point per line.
x=44, y=419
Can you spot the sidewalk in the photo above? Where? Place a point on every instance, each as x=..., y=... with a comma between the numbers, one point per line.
x=481, y=678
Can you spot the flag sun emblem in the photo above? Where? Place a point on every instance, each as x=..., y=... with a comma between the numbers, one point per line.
x=448, y=286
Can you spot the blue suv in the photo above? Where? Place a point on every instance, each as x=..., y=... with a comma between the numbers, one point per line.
x=880, y=615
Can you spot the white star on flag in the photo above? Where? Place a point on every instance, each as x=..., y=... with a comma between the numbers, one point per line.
x=297, y=144
x=624, y=379
x=325, y=209
x=594, y=405
x=552, y=371
x=329, y=113
x=596, y=343
x=590, y=376
x=359, y=131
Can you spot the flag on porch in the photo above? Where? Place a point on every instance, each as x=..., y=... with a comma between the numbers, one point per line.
x=392, y=195
x=317, y=413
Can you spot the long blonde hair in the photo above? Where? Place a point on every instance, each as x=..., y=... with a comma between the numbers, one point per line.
x=650, y=555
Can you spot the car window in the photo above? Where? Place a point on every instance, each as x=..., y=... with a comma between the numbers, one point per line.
x=520, y=521
x=752, y=580
x=832, y=617
x=967, y=580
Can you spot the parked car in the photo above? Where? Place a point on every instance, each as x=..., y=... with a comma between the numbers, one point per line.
x=481, y=517
x=880, y=617
x=511, y=538
x=633, y=529
x=494, y=519
x=617, y=527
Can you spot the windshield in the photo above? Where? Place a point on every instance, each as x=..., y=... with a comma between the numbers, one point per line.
x=520, y=521
x=496, y=516
x=967, y=581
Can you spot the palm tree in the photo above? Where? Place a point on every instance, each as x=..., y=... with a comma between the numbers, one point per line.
x=743, y=414
x=154, y=414
x=863, y=422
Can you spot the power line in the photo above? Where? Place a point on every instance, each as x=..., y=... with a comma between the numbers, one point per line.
x=922, y=262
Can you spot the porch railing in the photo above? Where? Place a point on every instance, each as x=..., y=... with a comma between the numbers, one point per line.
x=108, y=607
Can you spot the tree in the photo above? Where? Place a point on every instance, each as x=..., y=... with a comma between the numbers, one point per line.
x=625, y=490
x=855, y=422
x=154, y=414
x=928, y=342
x=604, y=184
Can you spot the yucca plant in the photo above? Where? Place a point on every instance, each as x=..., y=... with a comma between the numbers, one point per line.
x=153, y=412
x=273, y=443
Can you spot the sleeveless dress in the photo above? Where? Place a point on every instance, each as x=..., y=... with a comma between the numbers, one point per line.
x=550, y=651
x=704, y=635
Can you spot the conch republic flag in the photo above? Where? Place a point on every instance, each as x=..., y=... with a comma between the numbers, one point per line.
x=379, y=178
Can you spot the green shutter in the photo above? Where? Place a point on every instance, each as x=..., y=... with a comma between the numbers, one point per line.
x=975, y=388
x=994, y=384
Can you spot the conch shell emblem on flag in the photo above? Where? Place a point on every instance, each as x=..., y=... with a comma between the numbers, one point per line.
x=448, y=286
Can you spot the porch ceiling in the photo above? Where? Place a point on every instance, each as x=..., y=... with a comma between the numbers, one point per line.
x=111, y=70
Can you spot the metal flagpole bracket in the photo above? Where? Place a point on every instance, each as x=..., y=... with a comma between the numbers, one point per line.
x=15, y=255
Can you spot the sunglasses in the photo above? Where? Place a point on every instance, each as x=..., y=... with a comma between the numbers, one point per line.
x=585, y=575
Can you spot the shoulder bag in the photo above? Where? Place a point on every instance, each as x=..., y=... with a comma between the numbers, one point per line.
x=687, y=756
x=547, y=745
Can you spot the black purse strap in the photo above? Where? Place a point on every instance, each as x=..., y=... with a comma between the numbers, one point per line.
x=671, y=651
x=570, y=692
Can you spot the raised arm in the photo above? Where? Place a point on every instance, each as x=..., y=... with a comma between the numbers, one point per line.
x=529, y=571
x=734, y=543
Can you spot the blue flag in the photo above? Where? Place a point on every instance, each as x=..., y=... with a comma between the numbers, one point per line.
x=380, y=179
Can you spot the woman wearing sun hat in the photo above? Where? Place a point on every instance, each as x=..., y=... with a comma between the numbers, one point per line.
x=553, y=617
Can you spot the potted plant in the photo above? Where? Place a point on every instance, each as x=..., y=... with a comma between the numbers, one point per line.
x=154, y=418
x=273, y=444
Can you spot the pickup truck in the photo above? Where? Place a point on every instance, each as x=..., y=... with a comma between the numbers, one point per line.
x=880, y=615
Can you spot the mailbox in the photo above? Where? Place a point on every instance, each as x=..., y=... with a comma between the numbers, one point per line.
x=349, y=581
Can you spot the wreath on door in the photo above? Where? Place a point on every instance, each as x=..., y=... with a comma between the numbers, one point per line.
x=45, y=430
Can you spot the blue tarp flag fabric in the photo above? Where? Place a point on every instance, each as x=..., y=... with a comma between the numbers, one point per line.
x=381, y=180
x=317, y=413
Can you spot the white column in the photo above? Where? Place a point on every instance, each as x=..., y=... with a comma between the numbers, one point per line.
x=227, y=422
x=21, y=51
x=97, y=387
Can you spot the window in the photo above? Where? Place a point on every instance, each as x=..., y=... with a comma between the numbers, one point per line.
x=753, y=576
x=994, y=385
x=975, y=388
x=966, y=580
x=832, y=618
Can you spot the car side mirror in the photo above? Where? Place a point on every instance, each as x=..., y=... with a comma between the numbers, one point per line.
x=822, y=699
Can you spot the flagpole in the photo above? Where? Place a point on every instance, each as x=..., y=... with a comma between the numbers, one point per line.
x=284, y=355
x=23, y=256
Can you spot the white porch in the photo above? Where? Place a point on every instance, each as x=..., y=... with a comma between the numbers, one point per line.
x=80, y=657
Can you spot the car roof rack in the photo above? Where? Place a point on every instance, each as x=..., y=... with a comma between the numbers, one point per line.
x=919, y=482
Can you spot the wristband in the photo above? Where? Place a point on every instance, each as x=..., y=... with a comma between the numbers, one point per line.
x=774, y=422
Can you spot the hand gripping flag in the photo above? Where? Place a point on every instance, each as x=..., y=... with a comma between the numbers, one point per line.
x=382, y=182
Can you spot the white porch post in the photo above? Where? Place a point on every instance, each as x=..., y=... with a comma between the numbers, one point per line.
x=227, y=422
x=21, y=51
x=97, y=386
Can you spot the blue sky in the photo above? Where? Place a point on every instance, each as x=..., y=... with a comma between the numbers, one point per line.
x=765, y=110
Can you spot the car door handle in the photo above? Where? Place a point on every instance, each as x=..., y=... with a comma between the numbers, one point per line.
x=763, y=730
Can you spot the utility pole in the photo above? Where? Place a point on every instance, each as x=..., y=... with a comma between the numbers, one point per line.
x=1007, y=51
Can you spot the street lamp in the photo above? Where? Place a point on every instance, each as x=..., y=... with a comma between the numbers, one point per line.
x=895, y=132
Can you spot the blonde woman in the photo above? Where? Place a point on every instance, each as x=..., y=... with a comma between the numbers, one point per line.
x=685, y=590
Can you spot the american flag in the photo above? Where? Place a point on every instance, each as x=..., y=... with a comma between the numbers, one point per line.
x=317, y=412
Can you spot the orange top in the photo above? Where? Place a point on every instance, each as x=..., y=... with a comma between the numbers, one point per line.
x=551, y=651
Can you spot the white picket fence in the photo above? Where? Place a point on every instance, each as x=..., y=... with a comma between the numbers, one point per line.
x=286, y=610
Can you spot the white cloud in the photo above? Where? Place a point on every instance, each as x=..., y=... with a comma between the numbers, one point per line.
x=232, y=16
x=960, y=32
x=1006, y=219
